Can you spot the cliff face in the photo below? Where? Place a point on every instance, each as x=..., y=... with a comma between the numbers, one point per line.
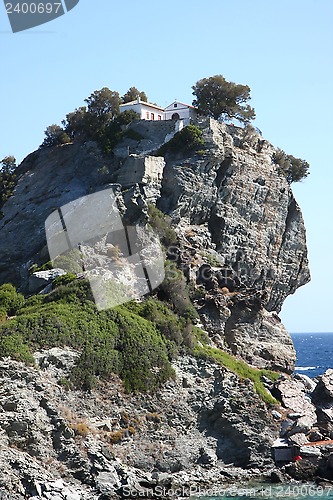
x=242, y=248
x=241, y=232
x=249, y=213
x=232, y=204
x=66, y=445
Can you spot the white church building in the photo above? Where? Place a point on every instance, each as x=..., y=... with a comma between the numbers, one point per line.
x=179, y=111
x=145, y=110
x=175, y=111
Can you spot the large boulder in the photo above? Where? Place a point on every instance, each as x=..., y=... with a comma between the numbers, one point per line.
x=41, y=279
x=323, y=392
x=294, y=397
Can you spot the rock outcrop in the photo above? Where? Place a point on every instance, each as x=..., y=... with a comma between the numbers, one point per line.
x=249, y=212
x=305, y=420
x=229, y=206
x=242, y=248
x=62, y=444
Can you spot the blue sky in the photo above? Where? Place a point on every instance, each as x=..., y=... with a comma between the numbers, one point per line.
x=282, y=49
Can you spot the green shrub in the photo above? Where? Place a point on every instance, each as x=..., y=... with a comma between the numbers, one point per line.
x=97, y=359
x=76, y=292
x=45, y=267
x=15, y=347
x=145, y=361
x=294, y=169
x=175, y=288
x=3, y=315
x=117, y=340
x=188, y=140
x=201, y=335
x=33, y=301
x=166, y=321
x=69, y=261
x=64, y=279
x=10, y=300
x=161, y=223
x=240, y=368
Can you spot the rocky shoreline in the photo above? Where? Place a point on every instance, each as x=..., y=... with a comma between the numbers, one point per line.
x=241, y=247
x=207, y=427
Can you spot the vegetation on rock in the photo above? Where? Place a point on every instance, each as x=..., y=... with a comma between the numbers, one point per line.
x=55, y=136
x=188, y=140
x=136, y=341
x=223, y=100
x=8, y=178
x=99, y=121
x=294, y=169
x=161, y=223
x=132, y=94
x=240, y=368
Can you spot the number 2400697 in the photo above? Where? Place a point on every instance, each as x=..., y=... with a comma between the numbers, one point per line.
x=33, y=8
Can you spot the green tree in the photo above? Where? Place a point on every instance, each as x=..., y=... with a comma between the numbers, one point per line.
x=223, y=100
x=294, y=169
x=102, y=110
x=8, y=164
x=104, y=104
x=55, y=136
x=132, y=94
x=10, y=299
x=8, y=178
x=99, y=121
x=189, y=139
x=76, y=124
x=127, y=117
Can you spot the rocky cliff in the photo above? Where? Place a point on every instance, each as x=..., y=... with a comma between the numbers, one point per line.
x=242, y=248
x=232, y=210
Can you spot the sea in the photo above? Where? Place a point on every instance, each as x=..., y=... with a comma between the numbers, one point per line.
x=314, y=353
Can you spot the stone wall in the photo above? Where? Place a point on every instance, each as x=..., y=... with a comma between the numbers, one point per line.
x=141, y=170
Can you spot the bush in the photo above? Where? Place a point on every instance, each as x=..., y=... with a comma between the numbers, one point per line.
x=10, y=300
x=3, y=315
x=100, y=121
x=8, y=178
x=116, y=341
x=64, y=279
x=69, y=261
x=55, y=136
x=15, y=347
x=241, y=369
x=97, y=359
x=76, y=292
x=176, y=291
x=188, y=140
x=170, y=325
x=294, y=169
x=145, y=362
x=161, y=223
x=44, y=267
